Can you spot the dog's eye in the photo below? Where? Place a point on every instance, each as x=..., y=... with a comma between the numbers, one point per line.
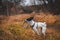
x=28, y=19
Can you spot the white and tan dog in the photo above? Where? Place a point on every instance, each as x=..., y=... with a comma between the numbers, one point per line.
x=36, y=25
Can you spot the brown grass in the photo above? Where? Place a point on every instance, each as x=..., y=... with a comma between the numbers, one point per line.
x=12, y=28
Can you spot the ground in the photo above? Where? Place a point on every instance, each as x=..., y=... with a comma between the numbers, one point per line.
x=11, y=27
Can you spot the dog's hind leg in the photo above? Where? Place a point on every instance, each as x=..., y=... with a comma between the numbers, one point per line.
x=43, y=30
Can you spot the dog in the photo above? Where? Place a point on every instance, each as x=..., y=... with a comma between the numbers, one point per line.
x=36, y=25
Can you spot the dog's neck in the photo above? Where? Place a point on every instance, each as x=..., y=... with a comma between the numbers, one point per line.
x=31, y=22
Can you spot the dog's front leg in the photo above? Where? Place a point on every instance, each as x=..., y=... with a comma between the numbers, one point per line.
x=35, y=30
x=40, y=30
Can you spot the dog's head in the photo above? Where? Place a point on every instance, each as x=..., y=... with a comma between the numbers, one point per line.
x=28, y=19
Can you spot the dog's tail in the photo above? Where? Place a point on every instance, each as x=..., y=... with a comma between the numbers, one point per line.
x=44, y=22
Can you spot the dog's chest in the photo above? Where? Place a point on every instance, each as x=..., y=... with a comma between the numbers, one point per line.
x=35, y=25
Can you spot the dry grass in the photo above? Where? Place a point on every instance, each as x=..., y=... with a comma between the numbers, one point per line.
x=13, y=29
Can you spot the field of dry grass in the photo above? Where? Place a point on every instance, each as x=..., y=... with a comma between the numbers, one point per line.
x=11, y=27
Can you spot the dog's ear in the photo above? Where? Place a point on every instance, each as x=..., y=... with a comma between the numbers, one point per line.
x=29, y=19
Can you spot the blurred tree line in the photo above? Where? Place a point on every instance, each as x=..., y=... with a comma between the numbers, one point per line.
x=9, y=7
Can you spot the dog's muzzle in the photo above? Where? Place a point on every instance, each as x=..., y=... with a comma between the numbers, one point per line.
x=25, y=20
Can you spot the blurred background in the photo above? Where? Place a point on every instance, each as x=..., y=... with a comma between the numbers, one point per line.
x=14, y=12
x=11, y=7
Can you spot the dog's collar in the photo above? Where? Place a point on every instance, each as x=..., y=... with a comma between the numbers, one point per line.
x=33, y=25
